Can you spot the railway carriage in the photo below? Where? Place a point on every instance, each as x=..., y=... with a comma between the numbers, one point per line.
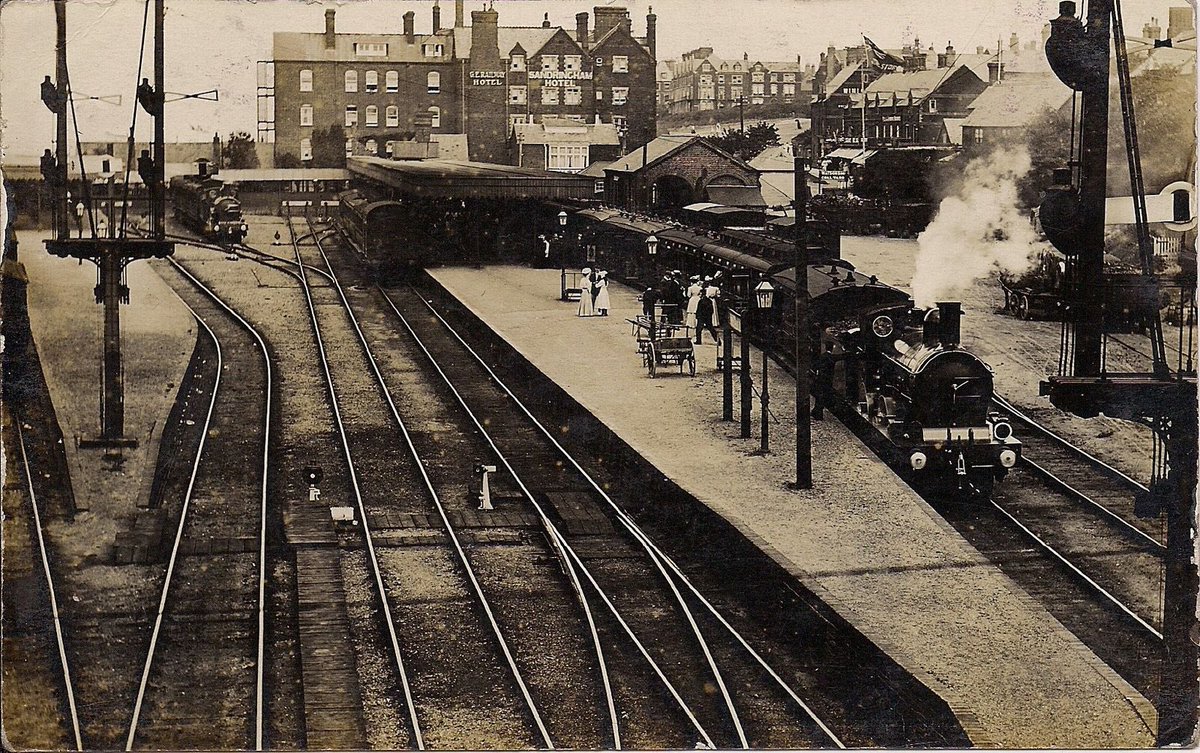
x=376, y=229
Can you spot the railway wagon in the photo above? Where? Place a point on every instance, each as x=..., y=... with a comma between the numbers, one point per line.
x=377, y=231
x=201, y=202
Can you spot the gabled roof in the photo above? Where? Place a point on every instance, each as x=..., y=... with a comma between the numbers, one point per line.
x=530, y=38
x=841, y=77
x=613, y=33
x=661, y=148
x=1017, y=102
x=917, y=85
x=301, y=45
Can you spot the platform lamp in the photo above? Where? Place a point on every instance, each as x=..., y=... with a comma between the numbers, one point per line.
x=79, y=217
x=764, y=298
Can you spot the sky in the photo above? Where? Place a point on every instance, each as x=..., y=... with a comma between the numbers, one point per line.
x=216, y=44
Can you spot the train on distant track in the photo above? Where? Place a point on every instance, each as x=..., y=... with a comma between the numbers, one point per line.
x=202, y=203
x=900, y=368
x=377, y=231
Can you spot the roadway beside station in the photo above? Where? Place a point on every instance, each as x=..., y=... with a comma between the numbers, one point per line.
x=860, y=539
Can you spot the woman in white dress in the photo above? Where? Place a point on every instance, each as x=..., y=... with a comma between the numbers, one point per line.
x=586, y=302
x=694, y=292
x=602, y=301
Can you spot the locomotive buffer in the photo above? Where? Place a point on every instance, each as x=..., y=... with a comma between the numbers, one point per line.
x=1073, y=215
x=110, y=249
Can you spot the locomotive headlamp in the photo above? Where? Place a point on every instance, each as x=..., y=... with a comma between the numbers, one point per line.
x=918, y=460
x=1001, y=430
x=882, y=326
x=1008, y=458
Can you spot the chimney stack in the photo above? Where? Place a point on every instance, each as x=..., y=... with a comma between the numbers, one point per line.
x=458, y=14
x=216, y=149
x=581, y=30
x=950, y=55
x=1179, y=22
x=607, y=17
x=1013, y=42
x=437, y=17
x=652, y=33
x=485, y=40
x=995, y=71
x=330, y=34
x=409, y=27
x=978, y=49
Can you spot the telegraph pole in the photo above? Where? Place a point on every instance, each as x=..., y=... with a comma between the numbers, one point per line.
x=62, y=227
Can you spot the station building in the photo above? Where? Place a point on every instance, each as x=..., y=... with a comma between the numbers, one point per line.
x=478, y=81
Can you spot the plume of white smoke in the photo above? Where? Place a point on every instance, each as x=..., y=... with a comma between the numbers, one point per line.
x=977, y=231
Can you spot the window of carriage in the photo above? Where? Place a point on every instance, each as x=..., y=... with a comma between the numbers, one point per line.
x=351, y=81
x=549, y=95
x=572, y=95
x=305, y=79
x=305, y=149
x=372, y=146
x=517, y=95
x=517, y=63
x=433, y=82
x=371, y=82
x=372, y=115
x=435, y=114
x=351, y=115
x=620, y=64
x=392, y=116
x=572, y=62
x=549, y=62
x=620, y=95
x=391, y=81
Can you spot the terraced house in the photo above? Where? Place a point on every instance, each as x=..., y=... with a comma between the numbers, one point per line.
x=465, y=88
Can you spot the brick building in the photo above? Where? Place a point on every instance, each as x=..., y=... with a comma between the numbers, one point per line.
x=478, y=80
x=702, y=81
x=674, y=171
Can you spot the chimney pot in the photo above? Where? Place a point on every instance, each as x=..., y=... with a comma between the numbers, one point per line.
x=545, y=20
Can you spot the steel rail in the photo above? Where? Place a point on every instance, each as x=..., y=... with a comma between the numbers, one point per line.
x=634, y=529
x=418, y=738
x=45, y=557
x=183, y=519
x=1063, y=484
x=1075, y=569
x=259, y=712
x=561, y=540
x=437, y=503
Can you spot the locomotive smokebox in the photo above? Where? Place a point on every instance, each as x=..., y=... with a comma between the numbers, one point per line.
x=950, y=323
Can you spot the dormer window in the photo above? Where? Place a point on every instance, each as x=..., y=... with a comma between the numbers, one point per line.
x=431, y=50
x=517, y=63
x=371, y=49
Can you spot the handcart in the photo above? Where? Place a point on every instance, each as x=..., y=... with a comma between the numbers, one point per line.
x=671, y=351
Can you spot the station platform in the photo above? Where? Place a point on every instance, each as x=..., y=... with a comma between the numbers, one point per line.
x=860, y=539
x=158, y=337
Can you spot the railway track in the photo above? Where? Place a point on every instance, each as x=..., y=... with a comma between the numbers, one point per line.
x=68, y=685
x=202, y=680
x=602, y=565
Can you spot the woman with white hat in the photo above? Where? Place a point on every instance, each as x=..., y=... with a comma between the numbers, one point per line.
x=586, y=301
x=694, y=292
x=602, y=301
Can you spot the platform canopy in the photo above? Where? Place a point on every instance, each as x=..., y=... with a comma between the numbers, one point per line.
x=453, y=179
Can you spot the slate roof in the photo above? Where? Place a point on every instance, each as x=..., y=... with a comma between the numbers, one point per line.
x=1017, y=102
x=531, y=39
x=564, y=131
x=841, y=77
x=654, y=151
x=303, y=45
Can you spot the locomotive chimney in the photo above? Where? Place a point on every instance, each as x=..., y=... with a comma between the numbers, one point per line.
x=949, y=323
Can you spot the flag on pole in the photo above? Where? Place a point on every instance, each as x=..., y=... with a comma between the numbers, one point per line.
x=882, y=57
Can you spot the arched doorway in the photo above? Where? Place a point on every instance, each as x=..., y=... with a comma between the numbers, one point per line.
x=671, y=192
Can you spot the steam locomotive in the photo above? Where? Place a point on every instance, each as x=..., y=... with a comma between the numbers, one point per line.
x=900, y=368
x=202, y=203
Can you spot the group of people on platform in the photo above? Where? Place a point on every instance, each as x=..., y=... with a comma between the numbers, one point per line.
x=694, y=303
x=593, y=292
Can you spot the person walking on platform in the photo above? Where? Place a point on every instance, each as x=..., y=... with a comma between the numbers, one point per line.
x=694, y=293
x=705, y=308
x=673, y=296
x=601, y=287
x=649, y=300
x=587, y=303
